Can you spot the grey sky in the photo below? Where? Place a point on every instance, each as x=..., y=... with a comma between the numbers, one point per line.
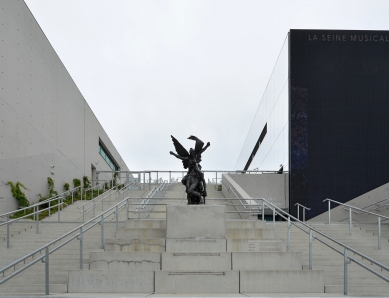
x=150, y=69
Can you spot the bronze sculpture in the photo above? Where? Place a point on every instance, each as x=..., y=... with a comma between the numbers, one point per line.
x=194, y=179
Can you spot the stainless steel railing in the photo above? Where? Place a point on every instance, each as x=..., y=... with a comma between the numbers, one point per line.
x=157, y=190
x=99, y=219
x=298, y=210
x=379, y=217
x=100, y=199
x=309, y=230
x=48, y=201
x=36, y=212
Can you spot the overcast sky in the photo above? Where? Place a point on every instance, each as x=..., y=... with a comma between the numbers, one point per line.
x=151, y=69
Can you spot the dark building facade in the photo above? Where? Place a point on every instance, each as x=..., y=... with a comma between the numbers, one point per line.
x=338, y=100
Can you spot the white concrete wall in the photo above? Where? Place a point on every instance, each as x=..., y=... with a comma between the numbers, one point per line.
x=339, y=214
x=272, y=187
x=44, y=119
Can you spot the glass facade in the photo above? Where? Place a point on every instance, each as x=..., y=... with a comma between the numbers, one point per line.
x=272, y=149
x=107, y=158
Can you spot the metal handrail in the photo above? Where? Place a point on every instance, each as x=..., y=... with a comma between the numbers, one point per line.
x=127, y=186
x=298, y=210
x=230, y=188
x=96, y=186
x=40, y=203
x=36, y=216
x=347, y=258
x=353, y=207
x=379, y=216
x=346, y=247
x=104, y=195
x=374, y=204
x=92, y=200
x=102, y=216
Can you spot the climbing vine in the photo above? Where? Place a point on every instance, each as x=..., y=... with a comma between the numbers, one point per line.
x=86, y=181
x=115, y=179
x=18, y=194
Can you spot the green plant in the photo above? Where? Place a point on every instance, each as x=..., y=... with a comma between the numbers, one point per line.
x=115, y=179
x=18, y=194
x=76, y=182
x=86, y=181
x=52, y=191
x=66, y=186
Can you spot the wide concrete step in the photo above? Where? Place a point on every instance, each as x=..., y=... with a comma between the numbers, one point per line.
x=250, y=234
x=218, y=261
x=246, y=245
x=110, y=281
x=285, y=281
x=196, y=245
x=134, y=261
x=266, y=261
x=32, y=288
x=131, y=233
x=135, y=245
x=195, y=282
x=363, y=290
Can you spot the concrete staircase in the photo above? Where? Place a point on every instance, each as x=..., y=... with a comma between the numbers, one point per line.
x=141, y=257
x=196, y=251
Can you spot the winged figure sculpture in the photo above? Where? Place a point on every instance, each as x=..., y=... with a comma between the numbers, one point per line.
x=194, y=179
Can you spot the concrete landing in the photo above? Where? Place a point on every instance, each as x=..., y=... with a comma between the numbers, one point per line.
x=152, y=295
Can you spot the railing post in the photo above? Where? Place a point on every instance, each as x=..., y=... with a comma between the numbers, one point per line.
x=170, y=176
x=329, y=212
x=263, y=210
x=127, y=205
x=47, y=275
x=379, y=233
x=310, y=249
x=345, y=272
x=298, y=211
x=80, y=192
x=288, y=241
x=351, y=215
x=98, y=190
x=303, y=214
x=7, y=231
x=36, y=215
x=81, y=248
x=117, y=217
x=102, y=231
x=59, y=209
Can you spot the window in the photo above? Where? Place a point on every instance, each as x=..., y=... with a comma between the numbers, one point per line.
x=104, y=153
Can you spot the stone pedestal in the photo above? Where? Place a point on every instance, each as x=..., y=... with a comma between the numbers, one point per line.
x=195, y=221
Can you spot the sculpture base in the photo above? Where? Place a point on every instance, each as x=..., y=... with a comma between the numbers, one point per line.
x=195, y=221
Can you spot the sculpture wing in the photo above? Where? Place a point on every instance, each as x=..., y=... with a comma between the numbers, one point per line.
x=181, y=151
x=199, y=143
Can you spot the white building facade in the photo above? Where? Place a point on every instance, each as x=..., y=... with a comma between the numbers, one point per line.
x=47, y=129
